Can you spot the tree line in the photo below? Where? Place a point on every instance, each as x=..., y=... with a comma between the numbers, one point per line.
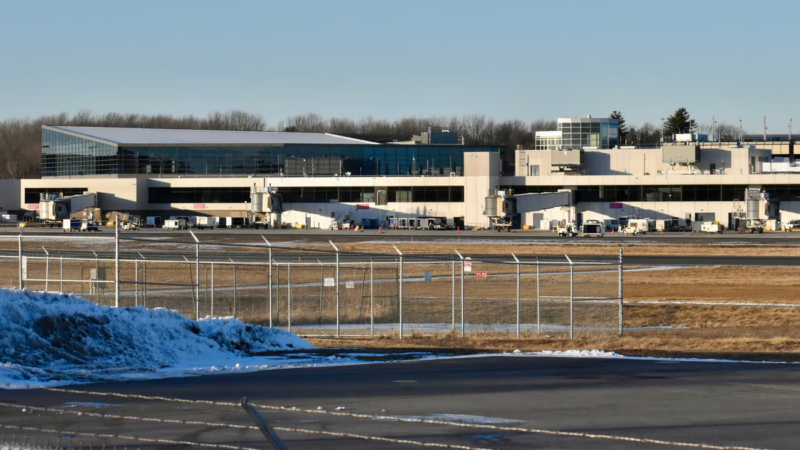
x=20, y=139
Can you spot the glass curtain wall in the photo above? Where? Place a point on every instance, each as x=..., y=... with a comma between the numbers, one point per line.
x=66, y=155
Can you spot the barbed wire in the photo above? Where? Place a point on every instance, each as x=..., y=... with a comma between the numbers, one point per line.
x=415, y=420
x=240, y=427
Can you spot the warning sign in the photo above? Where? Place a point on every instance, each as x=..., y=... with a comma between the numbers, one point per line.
x=481, y=275
x=467, y=264
x=350, y=284
x=329, y=282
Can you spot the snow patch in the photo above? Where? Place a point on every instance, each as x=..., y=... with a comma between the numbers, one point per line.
x=50, y=339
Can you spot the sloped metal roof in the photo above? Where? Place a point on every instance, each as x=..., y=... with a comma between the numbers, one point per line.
x=156, y=136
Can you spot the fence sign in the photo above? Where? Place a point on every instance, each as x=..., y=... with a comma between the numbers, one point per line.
x=481, y=275
x=329, y=282
x=350, y=284
x=24, y=267
x=428, y=277
x=467, y=264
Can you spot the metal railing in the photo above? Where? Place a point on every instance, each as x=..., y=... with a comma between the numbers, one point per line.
x=321, y=292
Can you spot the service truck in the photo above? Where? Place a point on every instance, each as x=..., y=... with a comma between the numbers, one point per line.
x=203, y=222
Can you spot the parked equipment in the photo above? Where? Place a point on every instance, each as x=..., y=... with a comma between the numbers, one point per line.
x=175, y=224
x=205, y=222
x=711, y=227
x=501, y=209
x=593, y=228
x=567, y=229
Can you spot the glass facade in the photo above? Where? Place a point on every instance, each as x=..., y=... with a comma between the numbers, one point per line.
x=575, y=134
x=33, y=195
x=332, y=194
x=687, y=193
x=67, y=155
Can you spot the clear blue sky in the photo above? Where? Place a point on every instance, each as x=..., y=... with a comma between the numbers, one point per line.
x=388, y=59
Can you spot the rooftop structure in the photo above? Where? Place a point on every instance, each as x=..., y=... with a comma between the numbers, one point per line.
x=580, y=133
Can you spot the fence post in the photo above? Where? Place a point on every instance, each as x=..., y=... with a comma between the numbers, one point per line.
x=289, y=295
x=136, y=280
x=621, y=313
x=116, y=262
x=338, y=325
x=212, y=289
x=46, y=270
x=19, y=259
x=270, y=284
x=518, y=294
x=462, y=293
x=400, y=291
x=234, y=289
x=453, y=328
x=571, y=298
x=61, y=272
x=371, y=296
x=538, y=298
x=197, y=276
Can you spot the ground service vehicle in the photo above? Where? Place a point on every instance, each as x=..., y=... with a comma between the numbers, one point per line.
x=133, y=223
x=711, y=227
x=792, y=225
x=638, y=226
x=593, y=228
x=203, y=222
x=431, y=223
x=567, y=230
x=175, y=224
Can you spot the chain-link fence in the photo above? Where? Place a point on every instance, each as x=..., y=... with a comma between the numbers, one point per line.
x=320, y=292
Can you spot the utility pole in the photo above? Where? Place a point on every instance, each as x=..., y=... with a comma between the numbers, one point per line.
x=765, y=128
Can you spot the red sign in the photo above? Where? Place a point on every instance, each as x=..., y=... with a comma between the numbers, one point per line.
x=199, y=206
x=615, y=206
x=481, y=275
x=362, y=207
x=32, y=206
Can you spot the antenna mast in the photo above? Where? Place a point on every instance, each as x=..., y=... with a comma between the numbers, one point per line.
x=741, y=138
x=765, y=128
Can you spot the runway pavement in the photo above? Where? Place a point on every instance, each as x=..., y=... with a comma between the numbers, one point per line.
x=718, y=404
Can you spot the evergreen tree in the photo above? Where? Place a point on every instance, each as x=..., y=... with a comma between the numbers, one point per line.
x=680, y=122
x=623, y=129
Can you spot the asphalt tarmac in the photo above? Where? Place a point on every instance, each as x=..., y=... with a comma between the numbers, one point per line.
x=775, y=237
x=720, y=404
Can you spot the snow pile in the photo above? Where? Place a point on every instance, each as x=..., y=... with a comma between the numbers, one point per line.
x=48, y=338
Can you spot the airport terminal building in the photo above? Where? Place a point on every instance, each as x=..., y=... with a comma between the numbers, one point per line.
x=324, y=177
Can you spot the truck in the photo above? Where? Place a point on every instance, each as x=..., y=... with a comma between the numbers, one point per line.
x=204, y=222
x=711, y=227
x=175, y=224
x=567, y=229
x=79, y=225
x=431, y=223
x=638, y=226
x=673, y=225
x=593, y=228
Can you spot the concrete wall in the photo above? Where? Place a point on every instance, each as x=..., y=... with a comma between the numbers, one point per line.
x=640, y=162
x=117, y=194
x=482, y=171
